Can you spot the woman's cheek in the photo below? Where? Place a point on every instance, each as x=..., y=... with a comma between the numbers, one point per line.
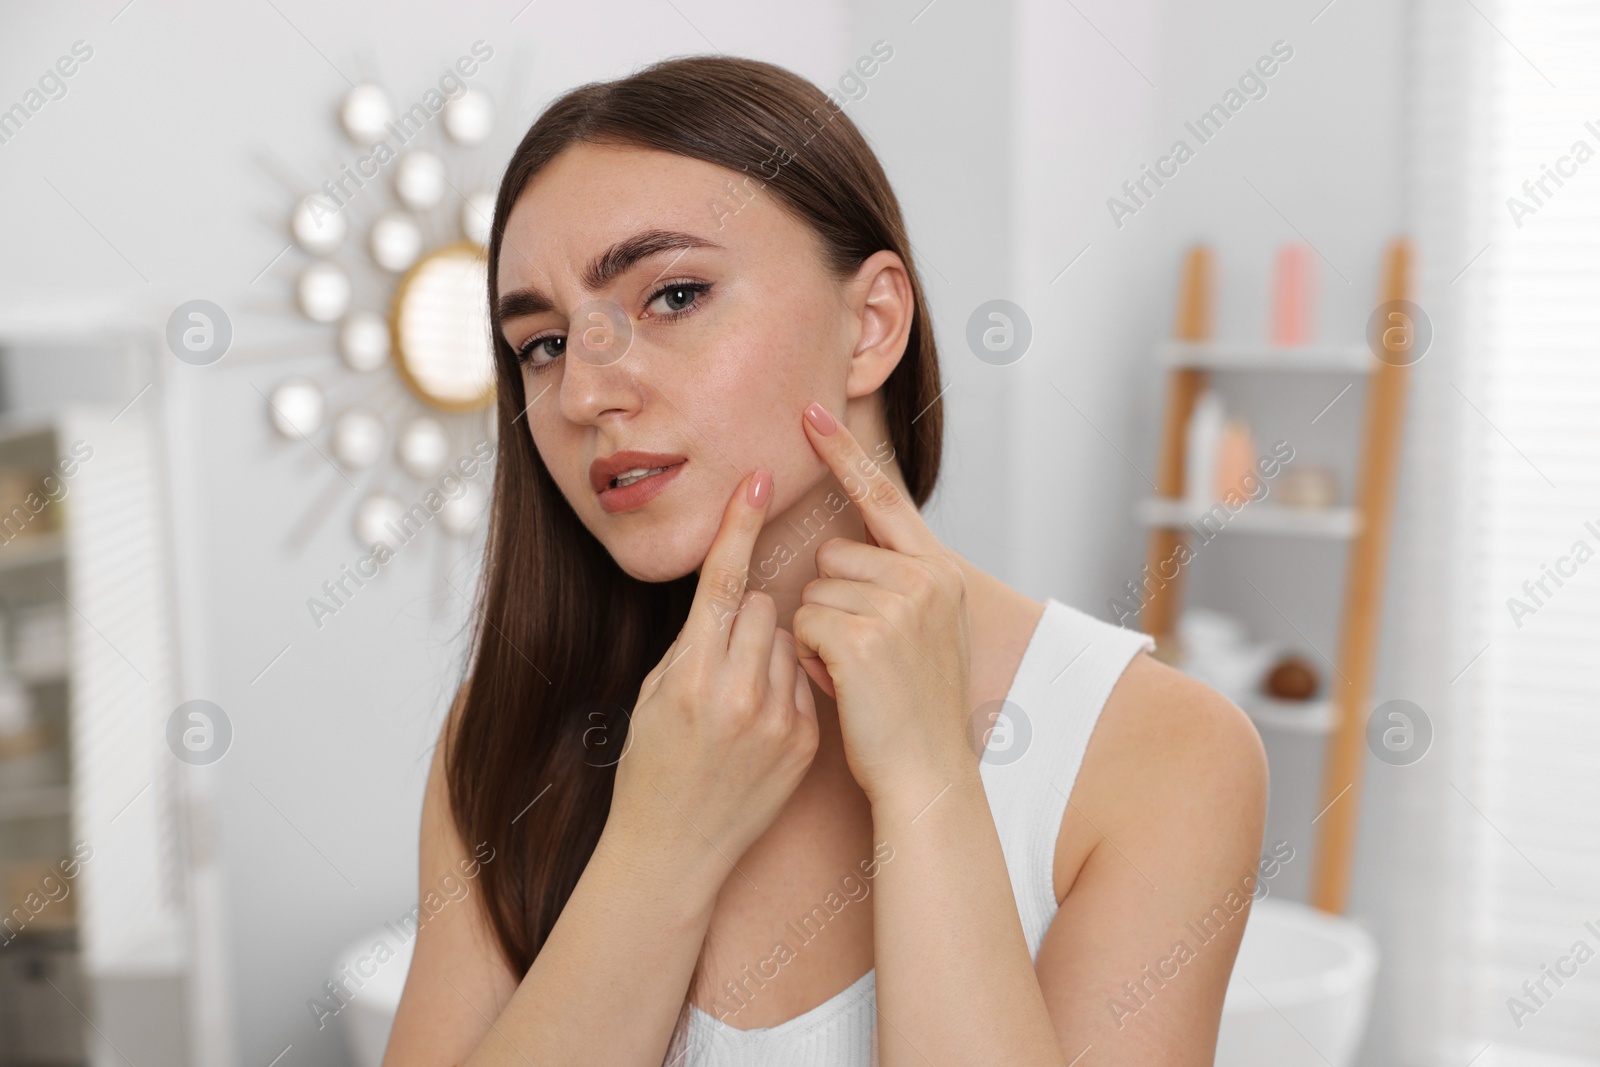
x=558, y=458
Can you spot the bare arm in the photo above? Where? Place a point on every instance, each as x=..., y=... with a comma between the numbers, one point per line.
x=606, y=987
x=1174, y=788
x=723, y=731
x=955, y=984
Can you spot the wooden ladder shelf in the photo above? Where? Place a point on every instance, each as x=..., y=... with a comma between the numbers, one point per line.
x=1192, y=359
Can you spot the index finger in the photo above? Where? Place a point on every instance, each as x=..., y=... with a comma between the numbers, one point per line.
x=722, y=576
x=891, y=516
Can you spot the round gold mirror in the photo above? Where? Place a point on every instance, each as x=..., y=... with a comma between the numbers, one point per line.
x=439, y=324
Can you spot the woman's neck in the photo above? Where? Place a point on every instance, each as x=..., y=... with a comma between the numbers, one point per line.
x=784, y=558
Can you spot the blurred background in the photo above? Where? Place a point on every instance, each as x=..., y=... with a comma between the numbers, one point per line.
x=1169, y=248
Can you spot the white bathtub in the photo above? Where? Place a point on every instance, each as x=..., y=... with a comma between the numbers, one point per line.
x=1300, y=990
x=1314, y=968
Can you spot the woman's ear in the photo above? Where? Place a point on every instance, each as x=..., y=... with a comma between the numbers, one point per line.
x=880, y=297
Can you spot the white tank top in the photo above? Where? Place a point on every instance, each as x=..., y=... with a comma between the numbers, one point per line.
x=1028, y=769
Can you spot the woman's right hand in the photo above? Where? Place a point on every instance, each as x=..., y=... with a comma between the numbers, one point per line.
x=725, y=726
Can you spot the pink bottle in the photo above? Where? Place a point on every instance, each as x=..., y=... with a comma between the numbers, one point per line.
x=1292, y=296
x=1236, y=461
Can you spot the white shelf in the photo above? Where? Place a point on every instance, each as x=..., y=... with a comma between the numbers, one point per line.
x=1318, y=359
x=24, y=428
x=32, y=550
x=50, y=675
x=1292, y=716
x=1315, y=717
x=35, y=802
x=1254, y=517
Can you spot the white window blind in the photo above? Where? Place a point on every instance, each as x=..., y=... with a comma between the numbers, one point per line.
x=1534, y=885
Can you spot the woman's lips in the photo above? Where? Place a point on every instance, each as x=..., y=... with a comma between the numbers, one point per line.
x=639, y=493
x=605, y=469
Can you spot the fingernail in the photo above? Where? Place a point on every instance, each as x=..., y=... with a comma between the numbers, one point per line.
x=821, y=419
x=758, y=489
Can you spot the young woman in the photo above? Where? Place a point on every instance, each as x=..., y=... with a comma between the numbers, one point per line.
x=721, y=763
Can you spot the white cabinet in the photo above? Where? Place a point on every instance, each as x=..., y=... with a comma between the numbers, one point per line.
x=92, y=876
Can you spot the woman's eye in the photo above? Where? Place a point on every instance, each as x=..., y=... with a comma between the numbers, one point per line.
x=675, y=299
x=551, y=347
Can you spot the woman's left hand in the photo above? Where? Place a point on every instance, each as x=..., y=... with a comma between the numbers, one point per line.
x=883, y=629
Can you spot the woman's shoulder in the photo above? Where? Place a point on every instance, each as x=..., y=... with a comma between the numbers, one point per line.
x=1148, y=711
x=1158, y=717
x=1168, y=756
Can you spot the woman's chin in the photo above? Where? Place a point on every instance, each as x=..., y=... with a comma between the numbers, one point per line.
x=654, y=572
x=666, y=548
x=656, y=562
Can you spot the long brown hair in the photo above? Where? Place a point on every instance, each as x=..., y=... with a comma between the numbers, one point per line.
x=564, y=637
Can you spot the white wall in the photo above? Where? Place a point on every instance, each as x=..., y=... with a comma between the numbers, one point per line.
x=941, y=118
x=1084, y=109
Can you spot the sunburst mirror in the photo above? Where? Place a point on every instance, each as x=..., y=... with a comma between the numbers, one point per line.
x=398, y=269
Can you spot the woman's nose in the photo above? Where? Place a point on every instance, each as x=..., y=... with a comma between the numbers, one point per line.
x=597, y=374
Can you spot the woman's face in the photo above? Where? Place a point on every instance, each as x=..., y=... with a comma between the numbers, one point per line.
x=736, y=325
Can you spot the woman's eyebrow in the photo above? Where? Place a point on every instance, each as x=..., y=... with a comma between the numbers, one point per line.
x=605, y=267
x=520, y=302
x=625, y=253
